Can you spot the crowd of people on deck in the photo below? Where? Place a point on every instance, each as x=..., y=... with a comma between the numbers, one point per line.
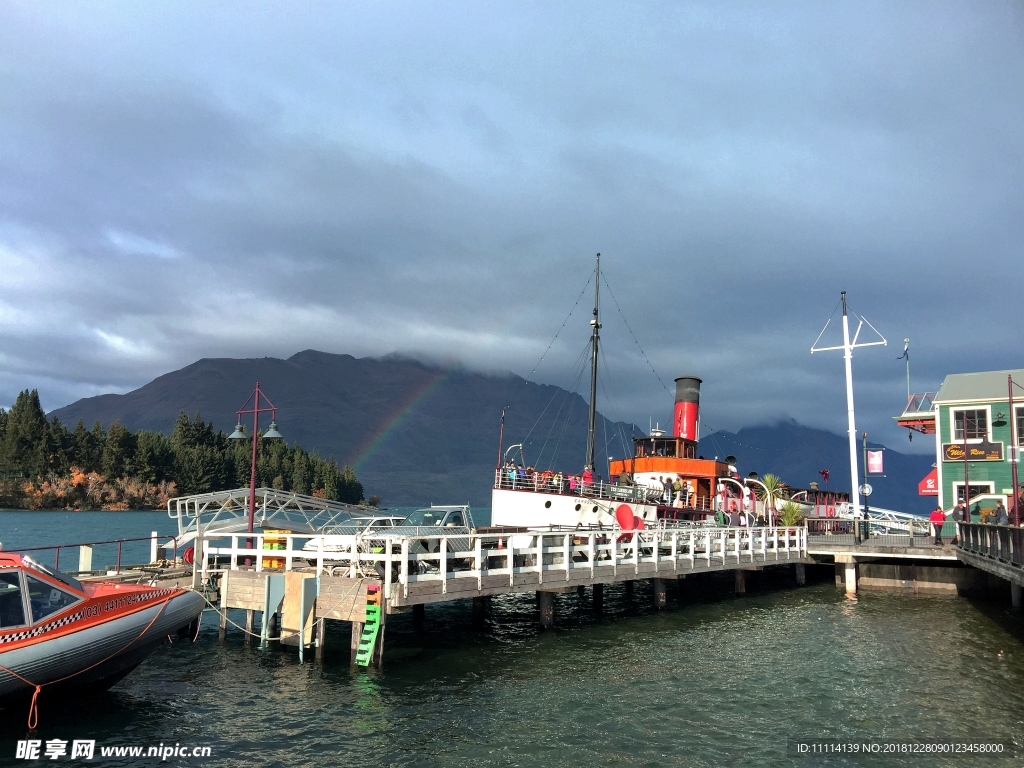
x=517, y=476
x=668, y=490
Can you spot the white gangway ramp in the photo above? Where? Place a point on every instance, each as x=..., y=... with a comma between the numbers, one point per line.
x=228, y=512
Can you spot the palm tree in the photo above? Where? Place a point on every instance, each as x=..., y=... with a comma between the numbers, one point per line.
x=776, y=489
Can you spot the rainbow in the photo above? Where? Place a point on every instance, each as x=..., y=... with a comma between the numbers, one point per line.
x=402, y=411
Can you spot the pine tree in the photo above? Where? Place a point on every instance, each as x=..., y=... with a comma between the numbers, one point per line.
x=117, y=452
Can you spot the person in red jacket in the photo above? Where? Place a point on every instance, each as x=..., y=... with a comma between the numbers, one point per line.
x=937, y=518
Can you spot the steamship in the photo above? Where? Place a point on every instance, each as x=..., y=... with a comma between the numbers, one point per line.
x=634, y=489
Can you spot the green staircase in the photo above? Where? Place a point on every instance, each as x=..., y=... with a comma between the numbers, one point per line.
x=371, y=627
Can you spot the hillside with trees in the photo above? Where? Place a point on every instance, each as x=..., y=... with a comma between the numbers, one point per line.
x=45, y=465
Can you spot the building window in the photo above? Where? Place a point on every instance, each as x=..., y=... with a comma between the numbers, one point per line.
x=976, y=423
x=979, y=489
x=1020, y=425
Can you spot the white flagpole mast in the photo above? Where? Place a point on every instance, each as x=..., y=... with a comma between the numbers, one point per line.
x=848, y=347
x=850, y=420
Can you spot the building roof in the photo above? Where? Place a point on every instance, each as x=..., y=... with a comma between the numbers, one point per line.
x=987, y=385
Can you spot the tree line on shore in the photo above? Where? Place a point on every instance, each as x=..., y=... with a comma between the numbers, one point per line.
x=44, y=465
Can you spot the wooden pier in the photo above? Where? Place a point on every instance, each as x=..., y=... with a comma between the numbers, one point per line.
x=420, y=568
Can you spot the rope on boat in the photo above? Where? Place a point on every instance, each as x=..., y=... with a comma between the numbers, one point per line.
x=33, y=708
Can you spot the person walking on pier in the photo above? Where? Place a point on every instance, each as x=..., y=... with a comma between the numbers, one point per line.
x=959, y=515
x=938, y=518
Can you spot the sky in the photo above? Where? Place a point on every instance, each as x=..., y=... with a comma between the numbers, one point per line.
x=188, y=180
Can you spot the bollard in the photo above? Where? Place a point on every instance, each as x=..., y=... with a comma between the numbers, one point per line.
x=152, y=547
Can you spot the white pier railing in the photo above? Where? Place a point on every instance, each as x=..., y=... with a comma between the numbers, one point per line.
x=443, y=564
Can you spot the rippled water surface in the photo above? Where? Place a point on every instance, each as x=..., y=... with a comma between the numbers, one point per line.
x=714, y=680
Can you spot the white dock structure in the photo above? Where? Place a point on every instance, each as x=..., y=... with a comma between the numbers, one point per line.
x=413, y=568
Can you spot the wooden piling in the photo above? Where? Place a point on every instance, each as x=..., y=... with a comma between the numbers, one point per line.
x=1015, y=596
x=249, y=623
x=598, y=590
x=419, y=615
x=223, y=630
x=546, y=606
x=581, y=591
x=321, y=635
x=801, y=574
x=629, y=589
x=357, y=633
x=479, y=610
x=659, y=594
x=741, y=582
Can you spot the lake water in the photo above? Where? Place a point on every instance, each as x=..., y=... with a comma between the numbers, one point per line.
x=714, y=680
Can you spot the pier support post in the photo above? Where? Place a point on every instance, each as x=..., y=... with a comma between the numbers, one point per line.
x=479, y=610
x=321, y=635
x=851, y=577
x=1016, y=596
x=801, y=574
x=840, y=576
x=598, y=597
x=546, y=606
x=629, y=589
x=581, y=591
x=659, y=594
x=223, y=630
x=249, y=623
x=741, y=582
x=419, y=615
x=357, y=633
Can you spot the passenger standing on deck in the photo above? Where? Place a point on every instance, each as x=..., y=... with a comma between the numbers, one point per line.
x=588, y=477
x=666, y=495
x=937, y=518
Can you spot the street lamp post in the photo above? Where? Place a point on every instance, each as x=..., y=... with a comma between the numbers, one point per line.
x=239, y=434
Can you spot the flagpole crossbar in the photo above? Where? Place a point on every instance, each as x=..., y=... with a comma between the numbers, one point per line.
x=847, y=347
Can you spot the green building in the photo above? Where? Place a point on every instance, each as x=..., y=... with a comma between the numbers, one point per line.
x=975, y=430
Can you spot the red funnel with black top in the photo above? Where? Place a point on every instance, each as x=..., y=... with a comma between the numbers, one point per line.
x=687, y=410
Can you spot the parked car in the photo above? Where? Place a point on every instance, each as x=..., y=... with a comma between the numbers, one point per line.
x=337, y=545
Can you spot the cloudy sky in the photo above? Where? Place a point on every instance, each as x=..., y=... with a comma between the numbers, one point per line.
x=191, y=180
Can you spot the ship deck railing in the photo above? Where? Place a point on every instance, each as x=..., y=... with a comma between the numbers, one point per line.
x=422, y=568
x=540, y=482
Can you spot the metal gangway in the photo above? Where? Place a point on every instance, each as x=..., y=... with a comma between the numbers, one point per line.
x=228, y=512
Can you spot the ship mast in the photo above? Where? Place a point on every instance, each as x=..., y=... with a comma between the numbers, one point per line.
x=595, y=323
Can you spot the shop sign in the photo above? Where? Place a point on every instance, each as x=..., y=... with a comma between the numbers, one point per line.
x=929, y=486
x=975, y=451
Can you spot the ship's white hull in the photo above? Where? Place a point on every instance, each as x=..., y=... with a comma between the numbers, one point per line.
x=537, y=509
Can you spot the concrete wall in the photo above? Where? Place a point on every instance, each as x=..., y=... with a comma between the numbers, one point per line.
x=936, y=579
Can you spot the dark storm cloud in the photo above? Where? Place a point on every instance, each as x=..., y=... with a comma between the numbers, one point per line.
x=178, y=182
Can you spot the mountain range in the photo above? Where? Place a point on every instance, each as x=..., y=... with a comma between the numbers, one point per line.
x=418, y=433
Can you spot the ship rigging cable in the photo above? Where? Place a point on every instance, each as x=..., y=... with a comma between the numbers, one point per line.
x=651, y=365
